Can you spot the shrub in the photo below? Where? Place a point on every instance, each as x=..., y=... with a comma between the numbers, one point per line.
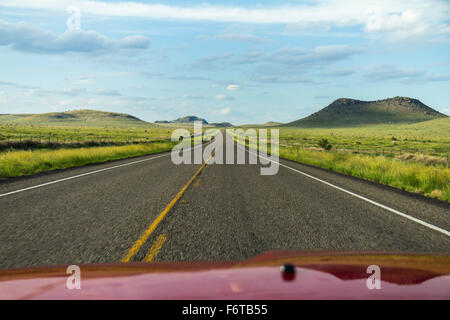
x=323, y=143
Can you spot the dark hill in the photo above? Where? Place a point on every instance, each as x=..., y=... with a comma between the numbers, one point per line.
x=189, y=119
x=346, y=112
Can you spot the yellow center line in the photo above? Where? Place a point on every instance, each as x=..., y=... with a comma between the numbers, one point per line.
x=161, y=216
x=156, y=247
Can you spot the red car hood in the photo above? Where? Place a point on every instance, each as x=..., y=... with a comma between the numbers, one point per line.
x=318, y=276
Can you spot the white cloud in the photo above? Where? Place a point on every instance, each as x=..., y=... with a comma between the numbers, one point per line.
x=391, y=18
x=213, y=61
x=27, y=38
x=220, y=96
x=302, y=56
x=390, y=72
x=223, y=97
x=193, y=96
x=225, y=111
x=233, y=87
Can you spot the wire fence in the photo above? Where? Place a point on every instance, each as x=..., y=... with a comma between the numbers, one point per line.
x=55, y=141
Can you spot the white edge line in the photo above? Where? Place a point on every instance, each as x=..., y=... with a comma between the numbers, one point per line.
x=87, y=173
x=404, y=215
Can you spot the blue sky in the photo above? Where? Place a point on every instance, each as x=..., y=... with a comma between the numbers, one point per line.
x=237, y=61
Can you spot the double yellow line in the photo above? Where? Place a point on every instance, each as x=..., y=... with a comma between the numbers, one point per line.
x=157, y=221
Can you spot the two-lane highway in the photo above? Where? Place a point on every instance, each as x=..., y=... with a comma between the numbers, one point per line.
x=149, y=209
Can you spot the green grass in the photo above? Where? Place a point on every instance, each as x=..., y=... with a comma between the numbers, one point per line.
x=415, y=161
x=416, y=177
x=16, y=163
x=11, y=132
x=430, y=138
x=20, y=163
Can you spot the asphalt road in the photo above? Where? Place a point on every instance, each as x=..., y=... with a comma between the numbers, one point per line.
x=148, y=208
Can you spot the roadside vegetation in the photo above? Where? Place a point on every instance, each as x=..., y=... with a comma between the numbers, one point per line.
x=430, y=138
x=40, y=136
x=31, y=149
x=429, y=180
x=20, y=163
x=410, y=157
x=27, y=149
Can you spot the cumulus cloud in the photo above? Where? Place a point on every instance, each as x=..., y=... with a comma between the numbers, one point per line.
x=23, y=37
x=393, y=20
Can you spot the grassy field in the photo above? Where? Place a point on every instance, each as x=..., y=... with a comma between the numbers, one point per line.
x=20, y=163
x=431, y=181
x=69, y=134
x=429, y=138
x=33, y=143
x=410, y=157
x=15, y=163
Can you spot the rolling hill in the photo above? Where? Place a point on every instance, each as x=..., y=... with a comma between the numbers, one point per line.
x=187, y=119
x=89, y=118
x=192, y=119
x=346, y=112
